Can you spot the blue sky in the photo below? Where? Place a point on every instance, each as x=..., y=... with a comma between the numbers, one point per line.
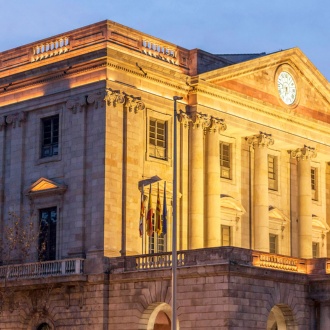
x=216, y=26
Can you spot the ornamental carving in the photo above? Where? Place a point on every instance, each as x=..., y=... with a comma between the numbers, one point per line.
x=96, y=99
x=14, y=119
x=113, y=97
x=76, y=104
x=262, y=140
x=184, y=119
x=198, y=120
x=133, y=103
x=304, y=153
x=216, y=125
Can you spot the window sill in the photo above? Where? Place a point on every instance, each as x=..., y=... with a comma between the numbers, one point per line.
x=44, y=160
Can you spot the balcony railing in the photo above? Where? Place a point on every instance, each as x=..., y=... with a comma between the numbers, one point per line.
x=42, y=269
x=158, y=260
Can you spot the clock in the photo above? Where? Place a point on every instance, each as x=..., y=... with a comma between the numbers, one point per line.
x=286, y=87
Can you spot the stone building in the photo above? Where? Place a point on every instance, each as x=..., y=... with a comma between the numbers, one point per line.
x=87, y=134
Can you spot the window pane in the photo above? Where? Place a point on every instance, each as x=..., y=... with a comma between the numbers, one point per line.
x=225, y=236
x=50, y=136
x=225, y=161
x=47, y=234
x=157, y=139
x=272, y=243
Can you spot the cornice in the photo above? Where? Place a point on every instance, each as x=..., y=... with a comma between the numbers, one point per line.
x=248, y=102
x=60, y=74
x=166, y=82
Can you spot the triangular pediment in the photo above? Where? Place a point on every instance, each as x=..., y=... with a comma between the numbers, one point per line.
x=257, y=80
x=277, y=216
x=45, y=186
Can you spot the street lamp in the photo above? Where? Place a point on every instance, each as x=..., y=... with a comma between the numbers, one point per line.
x=174, y=222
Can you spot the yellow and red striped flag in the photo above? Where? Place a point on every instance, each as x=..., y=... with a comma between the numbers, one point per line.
x=142, y=212
x=149, y=227
x=158, y=215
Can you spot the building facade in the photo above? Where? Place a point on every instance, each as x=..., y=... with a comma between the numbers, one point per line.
x=87, y=142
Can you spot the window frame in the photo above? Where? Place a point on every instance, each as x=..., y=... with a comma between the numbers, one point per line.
x=38, y=137
x=51, y=253
x=315, y=249
x=272, y=170
x=275, y=243
x=314, y=183
x=222, y=160
x=168, y=118
x=230, y=238
x=53, y=146
x=158, y=138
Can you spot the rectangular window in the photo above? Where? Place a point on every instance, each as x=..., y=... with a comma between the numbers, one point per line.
x=49, y=136
x=225, y=160
x=47, y=233
x=314, y=183
x=272, y=172
x=225, y=235
x=157, y=242
x=273, y=248
x=315, y=250
x=158, y=139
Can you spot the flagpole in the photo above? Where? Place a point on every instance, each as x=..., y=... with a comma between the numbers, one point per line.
x=174, y=222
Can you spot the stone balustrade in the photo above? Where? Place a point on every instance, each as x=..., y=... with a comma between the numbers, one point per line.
x=91, y=35
x=220, y=256
x=50, y=48
x=42, y=269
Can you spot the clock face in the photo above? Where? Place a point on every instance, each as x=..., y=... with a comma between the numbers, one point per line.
x=286, y=87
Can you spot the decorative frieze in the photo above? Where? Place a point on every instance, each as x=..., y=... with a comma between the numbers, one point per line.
x=304, y=153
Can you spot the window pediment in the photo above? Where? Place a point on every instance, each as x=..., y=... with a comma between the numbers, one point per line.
x=231, y=205
x=319, y=224
x=45, y=186
x=277, y=216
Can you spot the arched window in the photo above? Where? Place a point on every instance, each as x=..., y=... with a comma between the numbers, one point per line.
x=44, y=326
x=281, y=318
x=162, y=322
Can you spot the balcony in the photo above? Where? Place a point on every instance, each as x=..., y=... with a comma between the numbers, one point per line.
x=42, y=269
x=231, y=256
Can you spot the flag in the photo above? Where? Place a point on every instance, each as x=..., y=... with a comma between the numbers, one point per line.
x=158, y=217
x=164, y=226
x=149, y=228
x=142, y=211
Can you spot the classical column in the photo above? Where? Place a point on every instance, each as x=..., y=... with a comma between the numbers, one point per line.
x=260, y=143
x=304, y=156
x=196, y=182
x=212, y=186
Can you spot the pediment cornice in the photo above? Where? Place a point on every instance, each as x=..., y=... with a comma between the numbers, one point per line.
x=43, y=187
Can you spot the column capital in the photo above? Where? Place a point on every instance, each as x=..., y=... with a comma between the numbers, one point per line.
x=15, y=119
x=215, y=125
x=184, y=118
x=260, y=140
x=133, y=103
x=113, y=97
x=199, y=120
x=304, y=153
